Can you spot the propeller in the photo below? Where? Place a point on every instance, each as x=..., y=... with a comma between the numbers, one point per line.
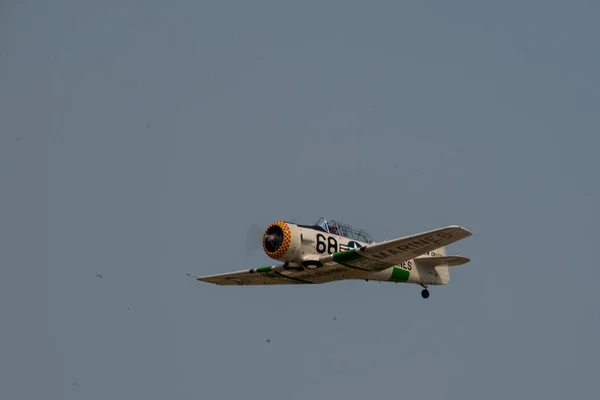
x=254, y=237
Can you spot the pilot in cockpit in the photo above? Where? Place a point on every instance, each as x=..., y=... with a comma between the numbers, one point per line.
x=333, y=229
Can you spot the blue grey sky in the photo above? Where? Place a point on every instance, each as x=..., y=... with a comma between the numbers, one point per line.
x=140, y=139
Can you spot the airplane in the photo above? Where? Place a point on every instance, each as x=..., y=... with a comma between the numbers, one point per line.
x=331, y=251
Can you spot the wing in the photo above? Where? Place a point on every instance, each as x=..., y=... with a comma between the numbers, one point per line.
x=283, y=275
x=270, y=275
x=379, y=256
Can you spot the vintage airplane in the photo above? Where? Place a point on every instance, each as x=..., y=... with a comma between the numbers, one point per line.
x=331, y=251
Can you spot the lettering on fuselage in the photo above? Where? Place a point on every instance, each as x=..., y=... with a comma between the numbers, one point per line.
x=407, y=265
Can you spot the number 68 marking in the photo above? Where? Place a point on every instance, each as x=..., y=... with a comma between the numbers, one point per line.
x=331, y=246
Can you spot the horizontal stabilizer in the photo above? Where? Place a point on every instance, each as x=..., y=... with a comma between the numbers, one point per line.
x=450, y=261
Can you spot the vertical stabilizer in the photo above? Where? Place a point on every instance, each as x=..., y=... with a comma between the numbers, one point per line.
x=443, y=270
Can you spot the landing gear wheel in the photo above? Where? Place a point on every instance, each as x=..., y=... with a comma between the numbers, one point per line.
x=425, y=293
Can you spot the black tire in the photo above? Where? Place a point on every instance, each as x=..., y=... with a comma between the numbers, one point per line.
x=425, y=293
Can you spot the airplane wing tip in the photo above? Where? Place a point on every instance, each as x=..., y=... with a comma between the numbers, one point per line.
x=461, y=228
x=199, y=278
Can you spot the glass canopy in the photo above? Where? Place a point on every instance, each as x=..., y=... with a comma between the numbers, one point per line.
x=346, y=230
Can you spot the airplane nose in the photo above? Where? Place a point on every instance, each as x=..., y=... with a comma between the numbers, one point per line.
x=274, y=239
x=277, y=239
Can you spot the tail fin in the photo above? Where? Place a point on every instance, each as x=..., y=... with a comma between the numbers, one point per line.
x=443, y=271
x=440, y=251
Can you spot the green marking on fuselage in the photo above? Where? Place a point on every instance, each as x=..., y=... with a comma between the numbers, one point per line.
x=264, y=269
x=399, y=275
x=347, y=257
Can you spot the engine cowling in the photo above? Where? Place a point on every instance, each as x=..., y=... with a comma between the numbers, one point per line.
x=281, y=241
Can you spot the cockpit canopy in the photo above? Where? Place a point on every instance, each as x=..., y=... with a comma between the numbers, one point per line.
x=341, y=229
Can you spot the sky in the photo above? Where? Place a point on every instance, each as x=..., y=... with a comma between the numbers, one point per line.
x=140, y=140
